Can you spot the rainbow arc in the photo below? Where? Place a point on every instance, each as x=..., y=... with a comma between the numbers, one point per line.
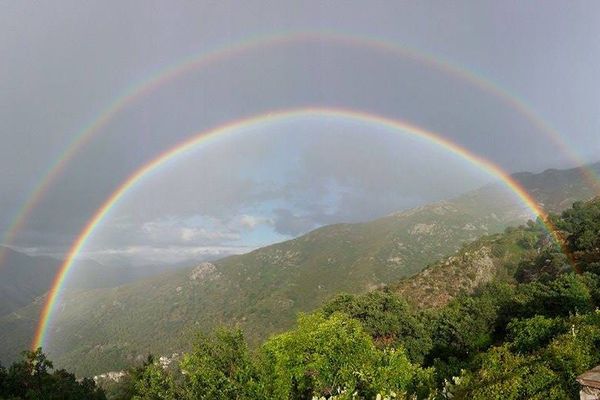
x=205, y=138
x=137, y=91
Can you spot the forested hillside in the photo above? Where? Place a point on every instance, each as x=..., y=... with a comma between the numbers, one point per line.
x=23, y=278
x=261, y=292
x=524, y=336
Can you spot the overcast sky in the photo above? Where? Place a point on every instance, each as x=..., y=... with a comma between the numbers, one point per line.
x=63, y=63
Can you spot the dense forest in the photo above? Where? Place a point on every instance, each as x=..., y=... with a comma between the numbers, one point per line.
x=523, y=337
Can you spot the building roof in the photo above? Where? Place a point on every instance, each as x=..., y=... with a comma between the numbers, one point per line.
x=590, y=378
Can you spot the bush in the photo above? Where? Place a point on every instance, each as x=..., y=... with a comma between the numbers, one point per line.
x=502, y=375
x=387, y=318
x=220, y=367
x=529, y=335
x=327, y=356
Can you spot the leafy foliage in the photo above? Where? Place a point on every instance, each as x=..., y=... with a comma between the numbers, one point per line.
x=530, y=334
x=154, y=383
x=220, y=367
x=582, y=222
x=501, y=374
x=327, y=356
x=31, y=378
x=387, y=318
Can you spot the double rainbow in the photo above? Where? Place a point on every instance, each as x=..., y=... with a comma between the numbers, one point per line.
x=137, y=91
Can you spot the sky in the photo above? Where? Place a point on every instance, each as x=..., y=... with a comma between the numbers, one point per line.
x=65, y=63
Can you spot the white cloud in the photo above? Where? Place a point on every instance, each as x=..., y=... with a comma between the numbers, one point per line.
x=177, y=232
x=153, y=255
x=201, y=234
x=188, y=234
x=252, y=221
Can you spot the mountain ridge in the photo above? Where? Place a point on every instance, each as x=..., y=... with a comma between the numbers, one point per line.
x=262, y=291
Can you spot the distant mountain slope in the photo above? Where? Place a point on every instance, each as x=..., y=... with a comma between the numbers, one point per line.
x=104, y=329
x=23, y=278
x=555, y=189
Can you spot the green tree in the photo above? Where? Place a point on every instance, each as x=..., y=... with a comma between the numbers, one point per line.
x=576, y=351
x=464, y=327
x=567, y=294
x=31, y=378
x=332, y=356
x=154, y=383
x=220, y=367
x=321, y=357
x=582, y=225
x=387, y=318
x=502, y=375
x=530, y=334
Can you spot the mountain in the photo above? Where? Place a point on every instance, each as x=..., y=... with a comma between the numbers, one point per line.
x=23, y=278
x=555, y=189
x=490, y=258
x=262, y=291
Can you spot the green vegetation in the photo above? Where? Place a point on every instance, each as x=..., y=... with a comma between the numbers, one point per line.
x=525, y=337
x=32, y=379
x=329, y=357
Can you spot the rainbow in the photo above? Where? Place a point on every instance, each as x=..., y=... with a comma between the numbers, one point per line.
x=136, y=91
x=228, y=129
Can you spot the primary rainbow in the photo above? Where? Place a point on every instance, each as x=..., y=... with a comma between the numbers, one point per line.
x=136, y=91
x=238, y=126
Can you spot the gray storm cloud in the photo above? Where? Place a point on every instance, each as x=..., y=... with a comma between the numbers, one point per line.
x=64, y=63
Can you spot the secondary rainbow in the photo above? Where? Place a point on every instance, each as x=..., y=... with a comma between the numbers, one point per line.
x=136, y=91
x=239, y=126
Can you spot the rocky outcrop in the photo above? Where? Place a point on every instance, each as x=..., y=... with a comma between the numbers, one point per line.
x=204, y=272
